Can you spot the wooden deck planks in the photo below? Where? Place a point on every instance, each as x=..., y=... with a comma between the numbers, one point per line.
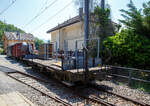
x=57, y=65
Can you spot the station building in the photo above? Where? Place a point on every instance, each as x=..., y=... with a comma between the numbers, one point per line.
x=72, y=30
x=10, y=38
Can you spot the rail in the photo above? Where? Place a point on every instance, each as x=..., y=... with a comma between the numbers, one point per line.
x=119, y=95
x=43, y=93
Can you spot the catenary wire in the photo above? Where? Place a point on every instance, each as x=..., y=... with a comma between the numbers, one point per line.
x=3, y=11
x=47, y=7
x=52, y=16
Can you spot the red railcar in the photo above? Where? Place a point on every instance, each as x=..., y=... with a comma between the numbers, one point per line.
x=21, y=49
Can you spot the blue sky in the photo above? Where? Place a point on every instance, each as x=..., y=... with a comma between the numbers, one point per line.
x=23, y=11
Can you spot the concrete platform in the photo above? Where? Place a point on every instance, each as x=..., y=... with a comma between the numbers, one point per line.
x=6, y=69
x=9, y=90
x=14, y=99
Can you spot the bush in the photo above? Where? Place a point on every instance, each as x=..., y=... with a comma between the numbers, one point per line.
x=129, y=49
x=1, y=51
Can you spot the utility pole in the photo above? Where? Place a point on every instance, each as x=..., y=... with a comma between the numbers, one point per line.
x=86, y=34
x=103, y=4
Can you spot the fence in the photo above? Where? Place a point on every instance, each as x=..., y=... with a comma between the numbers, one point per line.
x=129, y=73
x=74, y=53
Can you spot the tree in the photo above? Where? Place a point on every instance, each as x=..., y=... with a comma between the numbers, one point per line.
x=133, y=19
x=9, y=28
x=129, y=49
x=48, y=41
x=146, y=22
x=102, y=26
x=38, y=42
x=103, y=20
x=146, y=9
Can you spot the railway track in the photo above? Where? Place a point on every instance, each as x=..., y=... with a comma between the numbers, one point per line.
x=111, y=100
x=93, y=96
x=103, y=90
x=33, y=82
x=105, y=97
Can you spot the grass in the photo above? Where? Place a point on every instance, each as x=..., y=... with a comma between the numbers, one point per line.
x=135, y=85
x=141, y=86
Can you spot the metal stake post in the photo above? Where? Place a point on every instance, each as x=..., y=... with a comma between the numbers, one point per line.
x=76, y=54
x=130, y=77
x=98, y=49
x=86, y=33
x=56, y=52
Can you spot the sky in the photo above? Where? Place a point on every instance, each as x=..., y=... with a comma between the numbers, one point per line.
x=22, y=11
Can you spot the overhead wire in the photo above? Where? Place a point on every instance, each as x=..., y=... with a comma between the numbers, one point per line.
x=3, y=11
x=47, y=7
x=43, y=6
x=53, y=16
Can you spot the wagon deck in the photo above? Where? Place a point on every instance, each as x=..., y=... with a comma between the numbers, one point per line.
x=57, y=65
x=54, y=69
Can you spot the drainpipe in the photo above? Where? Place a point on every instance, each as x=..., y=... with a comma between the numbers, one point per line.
x=59, y=38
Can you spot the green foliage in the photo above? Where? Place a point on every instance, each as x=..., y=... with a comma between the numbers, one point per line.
x=103, y=27
x=48, y=41
x=129, y=49
x=135, y=20
x=9, y=28
x=141, y=86
x=146, y=10
x=102, y=21
x=146, y=22
x=117, y=28
x=1, y=51
x=38, y=42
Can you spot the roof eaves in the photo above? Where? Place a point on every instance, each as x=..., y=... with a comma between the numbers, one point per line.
x=59, y=27
x=66, y=23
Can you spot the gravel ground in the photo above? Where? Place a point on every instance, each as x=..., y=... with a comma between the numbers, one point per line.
x=126, y=91
x=51, y=89
x=108, y=97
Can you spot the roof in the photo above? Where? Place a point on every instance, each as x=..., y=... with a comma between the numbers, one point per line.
x=66, y=23
x=23, y=36
x=69, y=22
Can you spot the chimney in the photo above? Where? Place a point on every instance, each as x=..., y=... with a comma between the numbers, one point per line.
x=18, y=36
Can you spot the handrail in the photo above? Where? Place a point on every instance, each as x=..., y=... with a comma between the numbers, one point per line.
x=126, y=68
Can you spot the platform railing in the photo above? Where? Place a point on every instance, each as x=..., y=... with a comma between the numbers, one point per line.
x=131, y=73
